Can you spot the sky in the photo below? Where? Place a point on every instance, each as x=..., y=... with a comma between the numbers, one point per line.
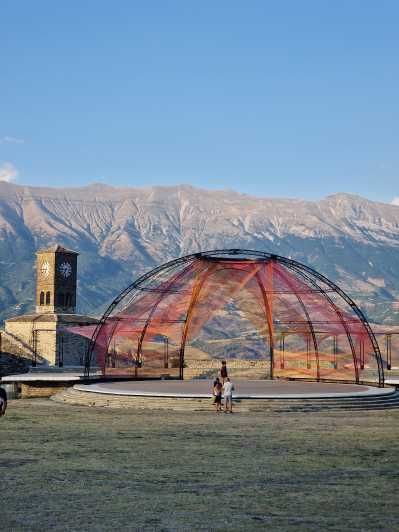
x=269, y=98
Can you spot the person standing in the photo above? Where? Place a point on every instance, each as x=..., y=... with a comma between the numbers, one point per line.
x=228, y=388
x=223, y=371
x=217, y=392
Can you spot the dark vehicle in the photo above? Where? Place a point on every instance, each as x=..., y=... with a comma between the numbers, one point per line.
x=3, y=402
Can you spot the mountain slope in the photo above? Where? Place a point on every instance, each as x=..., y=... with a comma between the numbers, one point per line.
x=121, y=233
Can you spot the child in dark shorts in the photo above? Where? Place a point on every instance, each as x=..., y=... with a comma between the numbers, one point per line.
x=217, y=392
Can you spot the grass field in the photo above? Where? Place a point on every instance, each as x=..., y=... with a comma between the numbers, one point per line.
x=78, y=468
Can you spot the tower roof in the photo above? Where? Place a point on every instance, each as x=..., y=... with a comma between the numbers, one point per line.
x=57, y=249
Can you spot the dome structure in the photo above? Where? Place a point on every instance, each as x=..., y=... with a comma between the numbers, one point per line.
x=260, y=312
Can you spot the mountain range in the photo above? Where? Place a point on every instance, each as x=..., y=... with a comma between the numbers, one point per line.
x=121, y=233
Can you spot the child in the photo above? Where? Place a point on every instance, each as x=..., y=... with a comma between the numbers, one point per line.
x=217, y=392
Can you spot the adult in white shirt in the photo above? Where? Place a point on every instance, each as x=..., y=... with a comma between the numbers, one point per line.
x=228, y=388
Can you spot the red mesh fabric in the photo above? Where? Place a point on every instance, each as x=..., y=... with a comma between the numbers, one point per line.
x=302, y=326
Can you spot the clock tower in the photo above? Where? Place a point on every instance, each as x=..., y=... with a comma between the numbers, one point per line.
x=56, y=280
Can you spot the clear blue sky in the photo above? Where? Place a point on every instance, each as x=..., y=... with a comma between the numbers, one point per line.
x=273, y=98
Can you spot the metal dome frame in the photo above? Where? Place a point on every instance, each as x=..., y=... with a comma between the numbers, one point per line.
x=308, y=274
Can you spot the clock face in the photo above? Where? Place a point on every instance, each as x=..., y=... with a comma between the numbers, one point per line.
x=45, y=269
x=65, y=269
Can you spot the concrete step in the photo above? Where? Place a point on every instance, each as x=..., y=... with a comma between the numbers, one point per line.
x=76, y=397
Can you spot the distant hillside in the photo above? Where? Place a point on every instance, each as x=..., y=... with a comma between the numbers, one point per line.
x=121, y=233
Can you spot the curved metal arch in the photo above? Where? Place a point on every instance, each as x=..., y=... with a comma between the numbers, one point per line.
x=269, y=319
x=310, y=324
x=353, y=306
x=329, y=283
x=339, y=314
x=202, y=279
x=267, y=313
x=170, y=282
x=136, y=284
x=235, y=252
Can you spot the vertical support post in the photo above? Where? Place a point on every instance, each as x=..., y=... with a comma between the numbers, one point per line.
x=361, y=348
x=308, y=364
x=335, y=351
x=389, y=351
x=282, y=351
x=272, y=363
x=136, y=361
x=81, y=353
x=181, y=364
x=61, y=351
x=113, y=354
x=34, y=346
x=165, y=351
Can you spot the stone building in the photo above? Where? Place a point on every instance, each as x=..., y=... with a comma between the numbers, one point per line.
x=43, y=338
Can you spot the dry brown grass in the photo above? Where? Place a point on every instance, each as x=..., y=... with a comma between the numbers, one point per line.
x=76, y=468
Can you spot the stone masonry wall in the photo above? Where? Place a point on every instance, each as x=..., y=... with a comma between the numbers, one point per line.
x=44, y=333
x=38, y=390
x=73, y=347
x=13, y=357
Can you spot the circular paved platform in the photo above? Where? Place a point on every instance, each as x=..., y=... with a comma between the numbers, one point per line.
x=244, y=389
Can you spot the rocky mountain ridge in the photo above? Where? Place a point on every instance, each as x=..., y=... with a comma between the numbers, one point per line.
x=123, y=232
